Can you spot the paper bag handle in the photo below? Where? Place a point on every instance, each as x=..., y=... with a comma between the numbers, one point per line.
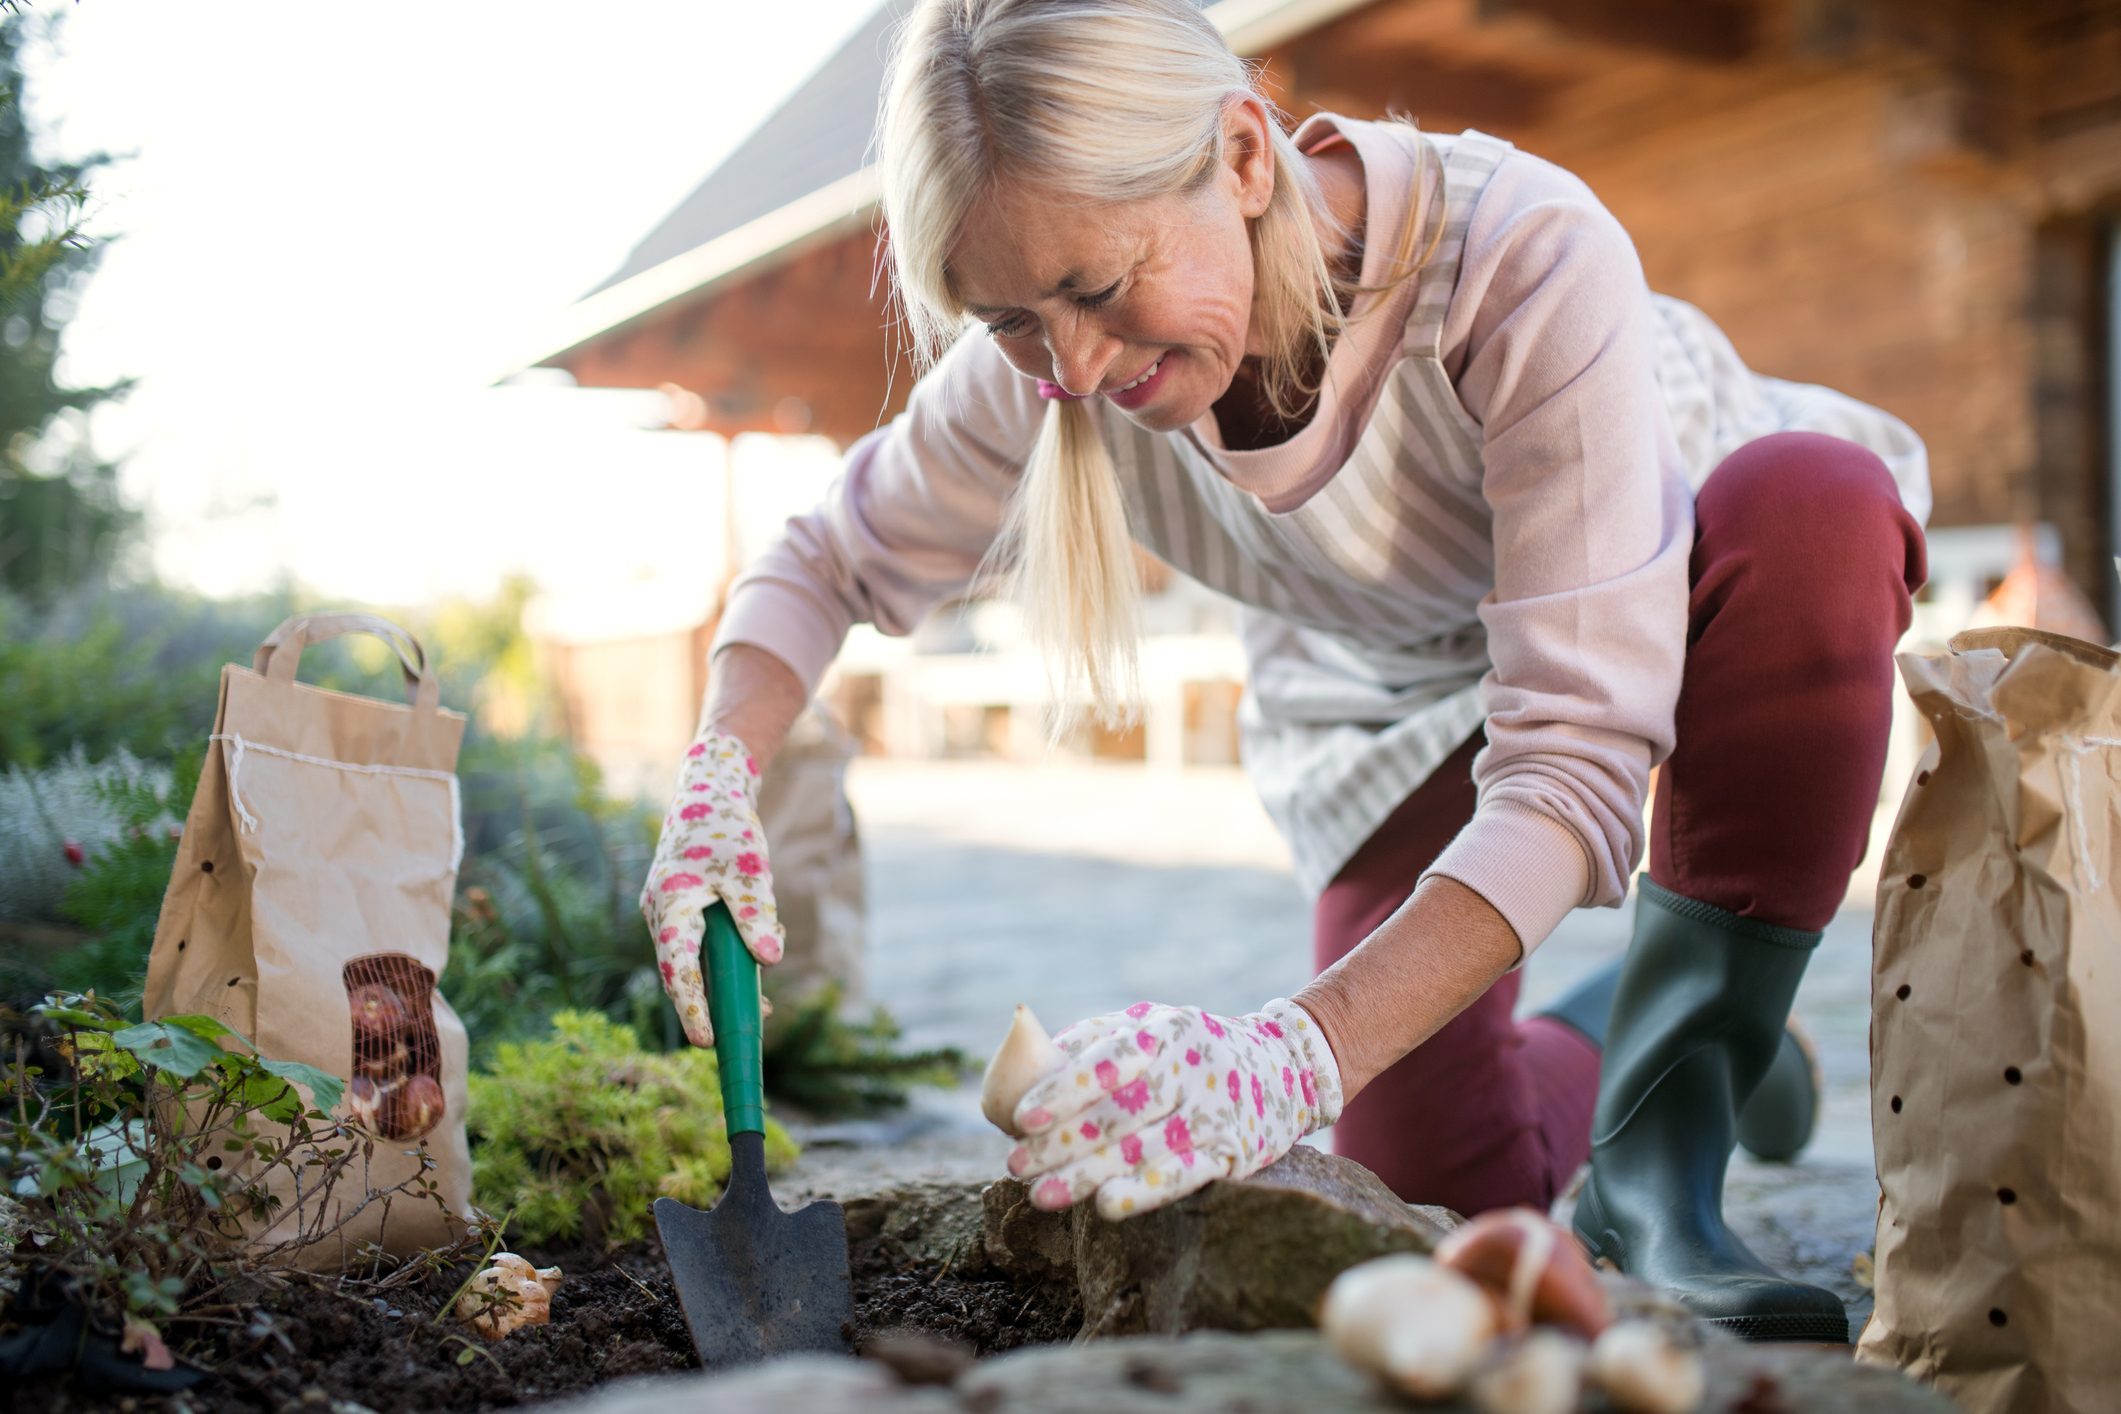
x=281, y=653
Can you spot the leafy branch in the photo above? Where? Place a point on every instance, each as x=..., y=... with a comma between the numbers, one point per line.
x=170, y=1161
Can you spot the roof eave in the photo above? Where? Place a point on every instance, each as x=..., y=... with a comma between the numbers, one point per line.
x=1249, y=26
x=779, y=234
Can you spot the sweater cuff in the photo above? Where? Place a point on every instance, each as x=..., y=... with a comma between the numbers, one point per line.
x=783, y=622
x=1528, y=866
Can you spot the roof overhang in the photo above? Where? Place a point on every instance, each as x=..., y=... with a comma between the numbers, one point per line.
x=1249, y=27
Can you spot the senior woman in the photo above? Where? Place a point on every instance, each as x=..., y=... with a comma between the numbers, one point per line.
x=1506, y=530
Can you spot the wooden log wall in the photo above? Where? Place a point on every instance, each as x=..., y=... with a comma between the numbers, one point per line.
x=1902, y=199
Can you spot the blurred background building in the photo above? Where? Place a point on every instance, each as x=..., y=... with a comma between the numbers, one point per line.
x=1914, y=201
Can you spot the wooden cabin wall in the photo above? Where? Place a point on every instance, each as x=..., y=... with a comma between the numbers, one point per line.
x=1899, y=200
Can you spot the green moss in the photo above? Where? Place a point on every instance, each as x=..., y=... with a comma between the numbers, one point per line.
x=578, y=1134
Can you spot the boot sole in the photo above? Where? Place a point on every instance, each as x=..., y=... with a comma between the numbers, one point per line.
x=1810, y=1328
x=1756, y=1328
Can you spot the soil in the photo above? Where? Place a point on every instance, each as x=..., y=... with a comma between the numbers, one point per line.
x=983, y=1314
x=615, y=1315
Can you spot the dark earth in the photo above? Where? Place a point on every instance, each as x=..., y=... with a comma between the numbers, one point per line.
x=614, y=1316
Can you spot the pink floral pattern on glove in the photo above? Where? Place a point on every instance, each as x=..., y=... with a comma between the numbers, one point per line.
x=712, y=848
x=1157, y=1101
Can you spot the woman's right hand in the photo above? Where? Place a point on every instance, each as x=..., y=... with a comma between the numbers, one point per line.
x=712, y=849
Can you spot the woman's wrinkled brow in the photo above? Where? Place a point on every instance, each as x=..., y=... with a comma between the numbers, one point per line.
x=1069, y=283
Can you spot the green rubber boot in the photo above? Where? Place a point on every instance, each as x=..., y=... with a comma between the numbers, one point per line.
x=1696, y=1022
x=1777, y=1120
x=1781, y=1115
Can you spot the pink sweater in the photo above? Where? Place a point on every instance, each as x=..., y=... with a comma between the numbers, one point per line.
x=1548, y=339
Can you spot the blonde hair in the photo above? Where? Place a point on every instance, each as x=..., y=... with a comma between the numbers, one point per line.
x=1111, y=101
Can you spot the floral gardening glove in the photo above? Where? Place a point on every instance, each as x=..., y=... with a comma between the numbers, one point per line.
x=712, y=847
x=1156, y=1101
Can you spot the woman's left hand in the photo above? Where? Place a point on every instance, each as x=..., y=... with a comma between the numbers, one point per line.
x=1156, y=1101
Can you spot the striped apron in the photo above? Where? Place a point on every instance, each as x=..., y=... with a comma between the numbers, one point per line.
x=1357, y=608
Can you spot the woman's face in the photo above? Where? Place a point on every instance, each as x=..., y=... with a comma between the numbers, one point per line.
x=1147, y=303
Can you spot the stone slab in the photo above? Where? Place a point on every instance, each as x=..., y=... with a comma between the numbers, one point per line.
x=1214, y=1373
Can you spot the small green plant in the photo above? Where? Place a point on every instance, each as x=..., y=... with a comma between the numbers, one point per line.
x=546, y=918
x=117, y=896
x=579, y=1133
x=56, y=817
x=832, y=1066
x=549, y=919
x=168, y=1162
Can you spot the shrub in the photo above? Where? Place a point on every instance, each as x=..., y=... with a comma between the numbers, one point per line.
x=830, y=1065
x=117, y=896
x=576, y=1135
x=548, y=918
x=143, y=1166
x=69, y=800
x=136, y=668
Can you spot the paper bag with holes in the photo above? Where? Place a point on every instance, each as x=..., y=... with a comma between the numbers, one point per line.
x=1995, y=1057
x=309, y=909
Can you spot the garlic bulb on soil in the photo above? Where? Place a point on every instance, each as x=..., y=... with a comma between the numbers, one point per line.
x=548, y=1277
x=1421, y=1326
x=1643, y=1370
x=508, y=1295
x=1026, y=1056
x=1541, y=1374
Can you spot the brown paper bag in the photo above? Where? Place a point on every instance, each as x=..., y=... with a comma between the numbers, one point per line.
x=309, y=909
x=1995, y=1050
x=817, y=867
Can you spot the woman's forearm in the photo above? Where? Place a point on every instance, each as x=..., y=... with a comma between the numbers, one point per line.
x=1426, y=963
x=754, y=697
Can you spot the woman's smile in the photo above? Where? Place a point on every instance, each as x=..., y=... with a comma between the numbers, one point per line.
x=1138, y=392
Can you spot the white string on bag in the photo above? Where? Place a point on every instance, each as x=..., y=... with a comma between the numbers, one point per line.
x=236, y=747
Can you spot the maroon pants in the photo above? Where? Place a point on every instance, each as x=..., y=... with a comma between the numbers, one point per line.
x=1803, y=568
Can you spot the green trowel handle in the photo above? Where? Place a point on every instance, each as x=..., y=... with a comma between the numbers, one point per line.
x=733, y=1007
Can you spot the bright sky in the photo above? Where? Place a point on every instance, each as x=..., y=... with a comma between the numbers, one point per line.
x=338, y=223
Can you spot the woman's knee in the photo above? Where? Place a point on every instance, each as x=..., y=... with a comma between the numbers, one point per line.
x=1816, y=513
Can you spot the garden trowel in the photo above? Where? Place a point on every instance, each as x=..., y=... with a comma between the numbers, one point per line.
x=754, y=1281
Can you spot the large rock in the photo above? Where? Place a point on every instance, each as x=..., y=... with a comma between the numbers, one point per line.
x=1252, y=1254
x=815, y=1384
x=1240, y=1256
x=922, y=1222
x=1293, y=1370
x=1214, y=1373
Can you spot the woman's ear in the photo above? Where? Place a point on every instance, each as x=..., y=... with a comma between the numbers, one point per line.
x=1248, y=154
